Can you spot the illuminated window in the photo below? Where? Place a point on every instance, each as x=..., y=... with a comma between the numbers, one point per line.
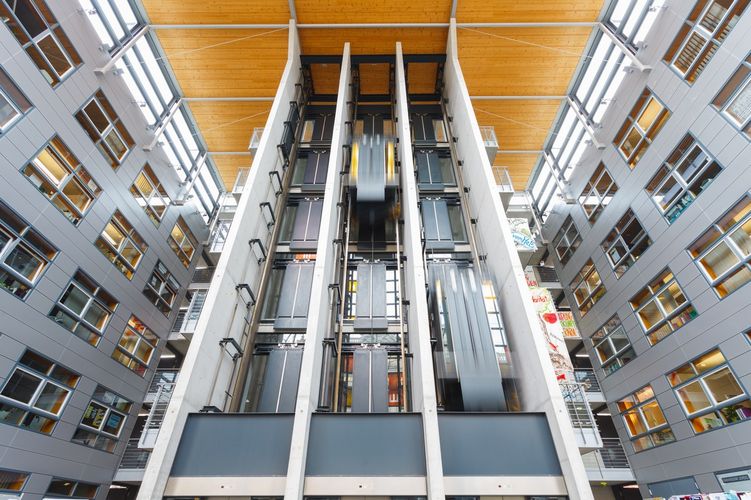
x=12, y=481
x=662, y=307
x=625, y=243
x=136, y=346
x=59, y=176
x=645, y=422
x=103, y=420
x=706, y=28
x=39, y=33
x=734, y=100
x=121, y=244
x=182, y=242
x=612, y=346
x=597, y=193
x=642, y=125
x=723, y=252
x=567, y=241
x=150, y=194
x=587, y=287
x=682, y=177
x=104, y=127
x=69, y=488
x=35, y=393
x=709, y=392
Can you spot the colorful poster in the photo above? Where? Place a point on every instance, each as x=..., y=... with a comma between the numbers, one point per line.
x=554, y=329
x=522, y=235
x=566, y=318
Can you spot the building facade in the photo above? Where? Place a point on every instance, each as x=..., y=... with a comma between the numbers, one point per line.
x=652, y=249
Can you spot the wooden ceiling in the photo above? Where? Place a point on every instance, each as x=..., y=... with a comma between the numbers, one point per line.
x=218, y=69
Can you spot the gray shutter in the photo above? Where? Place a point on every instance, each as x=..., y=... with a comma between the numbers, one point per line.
x=429, y=171
x=370, y=392
x=437, y=226
x=316, y=169
x=467, y=324
x=292, y=312
x=306, y=226
x=279, y=391
x=371, y=297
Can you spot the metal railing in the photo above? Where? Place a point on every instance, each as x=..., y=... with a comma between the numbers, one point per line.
x=203, y=274
x=582, y=418
x=241, y=179
x=503, y=179
x=134, y=457
x=586, y=376
x=161, y=377
x=255, y=139
x=610, y=456
x=546, y=274
x=488, y=136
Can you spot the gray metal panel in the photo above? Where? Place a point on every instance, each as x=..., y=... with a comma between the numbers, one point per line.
x=358, y=444
x=682, y=486
x=316, y=169
x=292, y=311
x=290, y=379
x=306, y=226
x=429, y=171
x=371, y=170
x=370, y=381
x=371, y=297
x=488, y=444
x=272, y=381
x=216, y=444
x=435, y=221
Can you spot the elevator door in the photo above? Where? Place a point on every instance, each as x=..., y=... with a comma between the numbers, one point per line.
x=316, y=168
x=280, y=381
x=307, y=224
x=371, y=297
x=370, y=391
x=436, y=224
x=294, y=296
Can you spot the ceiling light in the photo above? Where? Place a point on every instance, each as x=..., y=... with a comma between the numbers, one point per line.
x=582, y=355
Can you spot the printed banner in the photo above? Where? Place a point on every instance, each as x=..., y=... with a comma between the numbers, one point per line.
x=523, y=239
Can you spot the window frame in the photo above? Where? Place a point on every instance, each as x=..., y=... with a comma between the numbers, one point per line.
x=631, y=124
x=725, y=237
x=114, y=125
x=98, y=398
x=20, y=108
x=167, y=281
x=594, y=295
x=616, y=235
x=669, y=170
x=666, y=317
x=393, y=302
x=73, y=489
x=637, y=408
x=744, y=86
x=44, y=379
x=177, y=246
x=158, y=193
x=130, y=235
x=60, y=152
x=562, y=235
x=604, y=335
x=20, y=473
x=700, y=376
x=141, y=332
x=590, y=192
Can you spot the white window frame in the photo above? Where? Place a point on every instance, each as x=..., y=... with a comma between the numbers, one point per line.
x=593, y=193
x=637, y=408
x=164, y=277
x=141, y=338
x=581, y=281
x=177, y=246
x=92, y=299
x=156, y=194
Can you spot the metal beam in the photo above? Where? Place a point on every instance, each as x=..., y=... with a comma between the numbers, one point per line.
x=520, y=151
x=216, y=26
x=585, y=123
x=517, y=97
x=163, y=125
x=121, y=51
x=376, y=25
x=626, y=51
x=292, y=10
x=453, y=9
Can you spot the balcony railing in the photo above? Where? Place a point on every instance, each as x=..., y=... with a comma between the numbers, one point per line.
x=134, y=457
x=240, y=180
x=203, y=274
x=546, y=274
x=503, y=179
x=162, y=377
x=586, y=376
x=490, y=141
x=255, y=139
x=582, y=419
x=610, y=456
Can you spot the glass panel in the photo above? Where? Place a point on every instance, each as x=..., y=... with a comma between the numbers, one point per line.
x=54, y=55
x=734, y=281
x=74, y=299
x=742, y=237
x=634, y=423
x=24, y=263
x=116, y=144
x=723, y=385
x=694, y=398
x=94, y=415
x=708, y=361
x=21, y=386
x=653, y=415
x=97, y=116
x=650, y=315
x=740, y=107
x=719, y=260
x=650, y=114
x=96, y=316
x=52, y=398
x=114, y=423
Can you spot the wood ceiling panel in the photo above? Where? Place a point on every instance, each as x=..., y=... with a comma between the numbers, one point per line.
x=228, y=125
x=226, y=63
x=375, y=41
x=519, y=124
x=519, y=165
x=374, y=78
x=224, y=12
x=228, y=165
x=325, y=78
x=520, y=61
x=421, y=78
x=499, y=11
x=369, y=11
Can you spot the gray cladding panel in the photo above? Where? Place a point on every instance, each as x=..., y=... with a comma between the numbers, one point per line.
x=682, y=486
x=488, y=444
x=370, y=381
x=366, y=445
x=214, y=444
x=295, y=296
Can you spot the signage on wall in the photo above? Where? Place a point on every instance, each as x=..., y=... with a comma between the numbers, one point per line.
x=555, y=333
x=522, y=235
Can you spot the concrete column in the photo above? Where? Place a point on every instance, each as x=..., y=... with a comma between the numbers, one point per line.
x=423, y=383
x=207, y=371
x=321, y=303
x=534, y=370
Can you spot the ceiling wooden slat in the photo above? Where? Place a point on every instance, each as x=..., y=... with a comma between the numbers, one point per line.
x=325, y=78
x=377, y=41
x=227, y=126
x=421, y=78
x=369, y=11
x=500, y=11
x=224, y=12
x=520, y=167
x=520, y=125
x=374, y=78
x=228, y=165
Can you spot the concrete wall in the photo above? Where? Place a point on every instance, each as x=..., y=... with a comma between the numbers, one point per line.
x=25, y=322
x=720, y=322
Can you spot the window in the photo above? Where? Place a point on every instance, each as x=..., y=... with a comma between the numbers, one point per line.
x=136, y=346
x=612, y=346
x=24, y=253
x=705, y=29
x=734, y=100
x=709, y=392
x=641, y=127
x=12, y=481
x=84, y=308
x=182, y=242
x=685, y=174
x=99, y=120
x=723, y=252
x=13, y=104
x=103, y=420
x=625, y=243
x=662, y=307
x=121, y=244
x=161, y=288
x=69, y=488
x=587, y=287
x=567, y=241
x=39, y=33
x=645, y=422
x=150, y=194
x=59, y=176
x=597, y=193
x=35, y=393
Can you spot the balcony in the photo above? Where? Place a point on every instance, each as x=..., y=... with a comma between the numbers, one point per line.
x=505, y=186
x=582, y=419
x=255, y=140
x=202, y=275
x=133, y=463
x=586, y=377
x=490, y=141
x=240, y=180
x=609, y=463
